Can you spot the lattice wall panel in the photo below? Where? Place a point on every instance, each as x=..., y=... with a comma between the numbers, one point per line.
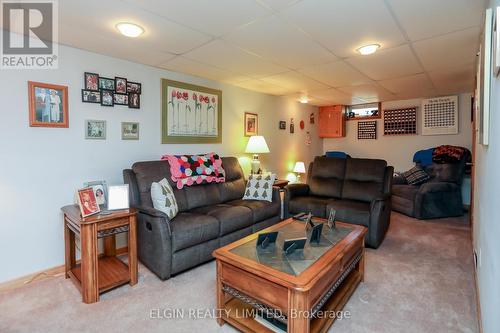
x=400, y=121
x=367, y=130
x=440, y=115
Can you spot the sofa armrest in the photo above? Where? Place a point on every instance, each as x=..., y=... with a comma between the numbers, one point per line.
x=380, y=216
x=276, y=194
x=398, y=179
x=434, y=187
x=152, y=212
x=295, y=190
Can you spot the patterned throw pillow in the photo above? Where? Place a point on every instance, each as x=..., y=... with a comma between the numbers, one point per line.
x=163, y=198
x=416, y=176
x=260, y=187
x=191, y=169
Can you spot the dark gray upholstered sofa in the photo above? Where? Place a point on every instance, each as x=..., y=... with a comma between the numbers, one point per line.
x=358, y=189
x=440, y=196
x=210, y=216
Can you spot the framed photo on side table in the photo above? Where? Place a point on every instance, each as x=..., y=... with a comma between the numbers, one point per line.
x=100, y=191
x=118, y=197
x=87, y=202
x=48, y=105
x=251, y=124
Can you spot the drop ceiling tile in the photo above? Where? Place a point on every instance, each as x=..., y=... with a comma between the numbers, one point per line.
x=276, y=40
x=216, y=18
x=334, y=96
x=412, y=86
x=102, y=16
x=184, y=65
x=336, y=74
x=367, y=92
x=345, y=25
x=278, y=4
x=263, y=87
x=448, y=51
x=294, y=81
x=427, y=18
x=454, y=80
x=386, y=64
x=112, y=47
x=225, y=56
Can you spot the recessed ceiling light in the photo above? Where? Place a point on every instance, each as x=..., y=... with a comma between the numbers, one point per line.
x=304, y=100
x=129, y=29
x=368, y=49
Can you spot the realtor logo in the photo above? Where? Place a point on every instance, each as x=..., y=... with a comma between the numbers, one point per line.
x=29, y=34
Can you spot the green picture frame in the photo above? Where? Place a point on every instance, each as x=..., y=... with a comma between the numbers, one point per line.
x=190, y=113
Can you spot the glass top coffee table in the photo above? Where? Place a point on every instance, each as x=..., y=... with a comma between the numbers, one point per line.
x=290, y=289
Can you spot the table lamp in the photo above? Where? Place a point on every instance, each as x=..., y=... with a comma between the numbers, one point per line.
x=256, y=145
x=298, y=169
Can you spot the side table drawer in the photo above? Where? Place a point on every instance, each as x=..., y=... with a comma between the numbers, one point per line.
x=113, y=224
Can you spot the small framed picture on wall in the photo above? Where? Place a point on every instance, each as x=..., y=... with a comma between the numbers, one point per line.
x=91, y=81
x=120, y=85
x=251, y=124
x=134, y=101
x=107, y=98
x=106, y=83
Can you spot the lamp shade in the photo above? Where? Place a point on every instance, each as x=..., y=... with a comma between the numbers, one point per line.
x=257, y=145
x=299, y=167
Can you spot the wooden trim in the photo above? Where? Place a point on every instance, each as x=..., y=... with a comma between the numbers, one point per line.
x=478, y=303
x=43, y=275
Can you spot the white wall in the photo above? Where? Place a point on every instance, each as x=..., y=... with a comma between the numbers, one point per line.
x=486, y=218
x=42, y=167
x=398, y=150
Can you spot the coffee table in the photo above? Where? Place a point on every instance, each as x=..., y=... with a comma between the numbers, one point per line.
x=301, y=291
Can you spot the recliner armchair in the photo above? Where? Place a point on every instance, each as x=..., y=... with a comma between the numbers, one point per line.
x=358, y=189
x=440, y=196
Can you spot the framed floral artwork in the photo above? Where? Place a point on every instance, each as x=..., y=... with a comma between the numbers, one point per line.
x=48, y=105
x=251, y=124
x=190, y=113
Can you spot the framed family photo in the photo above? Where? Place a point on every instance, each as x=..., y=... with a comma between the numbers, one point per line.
x=121, y=99
x=134, y=101
x=134, y=87
x=48, y=105
x=87, y=202
x=107, y=97
x=90, y=96
x=100, y=190
x=130, y=131
x=251, y=124
x=120, y=85
x=106, y=83
x=95, y=129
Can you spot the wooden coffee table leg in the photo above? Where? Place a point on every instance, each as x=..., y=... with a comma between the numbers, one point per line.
x=89, y=263
x=298, y=321
x=362, y=264
x=220, y=295
x=132, y=251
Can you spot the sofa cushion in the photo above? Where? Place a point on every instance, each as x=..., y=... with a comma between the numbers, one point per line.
x=163, y=198
x=326, y=176
x=190, y=229
x=261, y=210
x=351, y=211
x=231, y=218
x=405, y=191
x=234, y=187
x=364, y=179
x=306, y=204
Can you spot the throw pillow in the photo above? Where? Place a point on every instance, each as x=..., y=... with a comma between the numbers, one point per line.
x=416, y=176
x=260, y=187
x=163, y=198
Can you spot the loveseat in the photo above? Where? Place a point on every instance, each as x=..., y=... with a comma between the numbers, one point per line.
x=210, y=216
x=358, y=189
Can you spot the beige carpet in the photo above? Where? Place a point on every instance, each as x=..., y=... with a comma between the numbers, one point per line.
x=419, y=280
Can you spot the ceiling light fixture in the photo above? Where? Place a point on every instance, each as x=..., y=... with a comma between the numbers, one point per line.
x=304, y=100
x=368, y=49
x=129, y=29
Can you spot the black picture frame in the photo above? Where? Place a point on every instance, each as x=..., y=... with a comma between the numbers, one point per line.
x=87, y=74
x=117, y=81
x=264, y=239
x=331, y=218
x=316, y=233
x=282, y=125
x=103, y=91
x=118, y=103
x=291, y=245
x=98, y=93
x=130, y=99
x=135, y=83
x=108, y=80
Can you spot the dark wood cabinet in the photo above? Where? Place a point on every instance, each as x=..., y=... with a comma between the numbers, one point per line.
x=332, y=121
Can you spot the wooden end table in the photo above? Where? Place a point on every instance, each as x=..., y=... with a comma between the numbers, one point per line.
x=95, y=273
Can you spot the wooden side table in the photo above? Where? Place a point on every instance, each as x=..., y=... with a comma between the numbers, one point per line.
x=281, y=183
x=96, y=274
